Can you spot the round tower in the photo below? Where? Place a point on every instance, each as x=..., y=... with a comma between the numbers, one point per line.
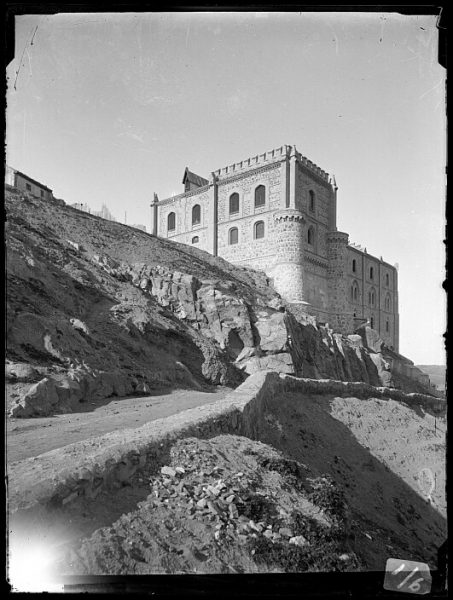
x=341, y=319
x=288, y=269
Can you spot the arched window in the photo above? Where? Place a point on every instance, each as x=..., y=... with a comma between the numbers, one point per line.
x=372, y=297
x=233, y=236
x=195, y=239
x=354, y=291
x=234, y=203
x=354, y=265
x=196, y=214
x=260, y=196
x=372, y=322
x=387, y=302
x=171, y=221
x=371, y=272
x=311, y=201
x=258, y=230
x=387, y=327
x=311, y=236
x=387, y=279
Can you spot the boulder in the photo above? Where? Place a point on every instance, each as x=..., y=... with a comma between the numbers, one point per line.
x=370, y=338
x=273, y=335
x=40, y=400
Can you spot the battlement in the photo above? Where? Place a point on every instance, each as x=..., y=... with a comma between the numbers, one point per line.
x=311, y=166
x=272, y=156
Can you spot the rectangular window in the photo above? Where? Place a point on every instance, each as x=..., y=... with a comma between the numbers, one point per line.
x=28, y=187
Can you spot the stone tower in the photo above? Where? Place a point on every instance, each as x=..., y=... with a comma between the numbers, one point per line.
x=341, y=318
x=288, y=268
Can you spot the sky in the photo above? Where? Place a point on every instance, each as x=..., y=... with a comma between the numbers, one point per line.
x=110, y=108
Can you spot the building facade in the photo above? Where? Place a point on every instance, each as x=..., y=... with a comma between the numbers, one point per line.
x=277, y=212
x=26, y=184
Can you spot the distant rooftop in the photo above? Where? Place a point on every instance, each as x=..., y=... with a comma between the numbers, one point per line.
x=32, y=180
x=197, y=180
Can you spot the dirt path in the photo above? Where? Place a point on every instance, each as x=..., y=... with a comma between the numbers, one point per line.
x=31, y=437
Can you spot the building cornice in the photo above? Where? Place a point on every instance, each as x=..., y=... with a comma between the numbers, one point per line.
x=316, y=261
x=200, y=190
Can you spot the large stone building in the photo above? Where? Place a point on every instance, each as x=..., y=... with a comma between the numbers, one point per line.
x=277, y=212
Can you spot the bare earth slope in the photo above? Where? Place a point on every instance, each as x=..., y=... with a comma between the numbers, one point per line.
x=77, y=305
x=332, y=484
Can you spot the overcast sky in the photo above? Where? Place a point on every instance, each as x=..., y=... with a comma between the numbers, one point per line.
x=110, y=108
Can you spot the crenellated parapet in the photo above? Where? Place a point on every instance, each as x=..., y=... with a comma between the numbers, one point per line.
x=289, y=214
x=277, y=155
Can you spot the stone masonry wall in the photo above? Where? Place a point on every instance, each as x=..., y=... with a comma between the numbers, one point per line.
x=249, y=251
x=384, y=312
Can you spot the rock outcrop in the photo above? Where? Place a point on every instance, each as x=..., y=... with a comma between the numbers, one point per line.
x=129, y=311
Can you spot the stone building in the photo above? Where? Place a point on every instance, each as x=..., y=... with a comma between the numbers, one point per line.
x=277, y=212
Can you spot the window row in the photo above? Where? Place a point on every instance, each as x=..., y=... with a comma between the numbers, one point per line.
x=370, y=272
x=258, y=233
x=260, y=200
x=233, y=234
x=354, y=295
x=196, y=218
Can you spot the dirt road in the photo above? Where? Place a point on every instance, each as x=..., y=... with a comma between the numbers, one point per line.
x=31, y=437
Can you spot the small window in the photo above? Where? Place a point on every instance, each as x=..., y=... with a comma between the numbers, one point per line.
x=387, y=302
x=371, y=297
x=354, y=265
x=233, y=236
x=387, y=279
x=371, y=272
x=387, y=327
x=311, y=201
x=354, y=292
x=311, y=236
x=195, y=239
x=258, y=230
x=171, y=221
x=42, y=193
x=260, y=196
x=372, y=322
x=28, y=187
x=196, y=214
x=234, y=203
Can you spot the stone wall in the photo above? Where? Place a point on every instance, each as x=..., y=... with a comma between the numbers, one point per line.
x=249, y=251
x=109, y=461
x=384, y=312
x=182, y=207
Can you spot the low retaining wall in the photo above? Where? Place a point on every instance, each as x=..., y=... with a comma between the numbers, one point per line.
x=112, y=459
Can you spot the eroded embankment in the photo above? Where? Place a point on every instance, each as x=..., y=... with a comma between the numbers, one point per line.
x=334, y=428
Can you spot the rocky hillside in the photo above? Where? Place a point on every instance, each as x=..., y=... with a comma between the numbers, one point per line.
x=97, y=309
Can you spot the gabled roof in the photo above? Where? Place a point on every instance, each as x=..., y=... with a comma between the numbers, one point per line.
x=41, y=185
x=193, y=178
